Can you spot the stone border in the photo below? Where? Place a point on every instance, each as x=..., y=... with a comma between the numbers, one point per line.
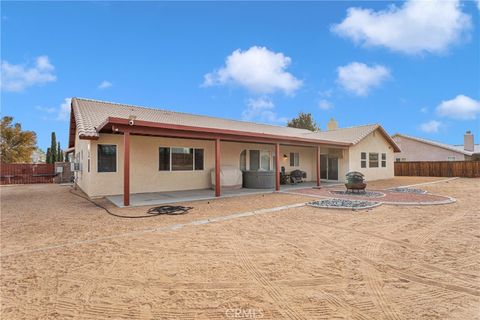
x=427, y=203
x=374, y=205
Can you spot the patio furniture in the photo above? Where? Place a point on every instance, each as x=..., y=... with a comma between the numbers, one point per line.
x=284, y=177
x=230, y=178
x=297, y=176
x=355, y=181
x=259, y=179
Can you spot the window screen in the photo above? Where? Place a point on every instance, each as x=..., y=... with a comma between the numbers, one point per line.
x=373, y=160
x=164, y=159
x=182, y=159
x=107, y=158
x=254, y=160
x=294, y=159
x=384, y=160
x=198, y=159
x=363, y=160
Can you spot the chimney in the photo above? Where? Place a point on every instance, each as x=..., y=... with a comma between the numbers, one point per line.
x=332, y=125
x=468, y=141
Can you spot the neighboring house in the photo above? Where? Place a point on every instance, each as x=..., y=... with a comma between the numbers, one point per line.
x=419, y=149
x=38, y=156
x=163, y=150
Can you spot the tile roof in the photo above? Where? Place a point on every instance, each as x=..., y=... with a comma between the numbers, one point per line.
x=90, y=114
x=456, y=148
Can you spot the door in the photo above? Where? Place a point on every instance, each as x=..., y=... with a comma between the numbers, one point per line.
x=323, y=166
x=332, y=168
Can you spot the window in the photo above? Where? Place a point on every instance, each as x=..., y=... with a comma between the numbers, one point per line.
x=164, y=162
x=254, y=160
x=259, y=160
x=451, y=158
x=107, y=158
x=265, y=160
x=384, y=160
x=373, y=160
x=198, y=159
x=397, y=159
x=180, y=159
x=363, y=158
x=294, y=159
x=243, y=160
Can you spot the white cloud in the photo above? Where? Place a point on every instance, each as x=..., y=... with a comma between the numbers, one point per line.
x=45, y=109
x=105, y=84
x=431, y=126
x=478, y=4
x=64, y=111
x=257, y=69
x=461, y=107
x=325, y=104
x=359, y=78
x=415, y=27
x=17, y=77
x=261, y=109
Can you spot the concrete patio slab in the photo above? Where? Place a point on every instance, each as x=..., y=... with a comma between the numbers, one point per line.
x=160, y=198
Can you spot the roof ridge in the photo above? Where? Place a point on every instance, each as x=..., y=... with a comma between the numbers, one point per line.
x=190, y=114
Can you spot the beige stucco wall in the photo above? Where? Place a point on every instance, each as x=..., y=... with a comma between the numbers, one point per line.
x=413, y=150
x=82, y=178
x=374, y=142
x=144, y=173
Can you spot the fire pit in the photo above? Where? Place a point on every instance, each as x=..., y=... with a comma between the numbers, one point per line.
x=355, y=182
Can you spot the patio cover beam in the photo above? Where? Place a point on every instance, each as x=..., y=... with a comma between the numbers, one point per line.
x=277, y=166
x=217, y=168
x=318, y=165
x=126, y=168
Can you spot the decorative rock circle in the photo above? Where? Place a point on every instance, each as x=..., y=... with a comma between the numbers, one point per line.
x=344, y=204
x=365, y=194
x=408, y=190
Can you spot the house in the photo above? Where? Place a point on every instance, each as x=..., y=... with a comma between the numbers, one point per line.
x=419, y=149
x=123, y=149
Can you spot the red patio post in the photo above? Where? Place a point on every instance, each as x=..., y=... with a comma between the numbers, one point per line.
x=126, y=168
x=217, y=167
x=318, y=166
x=277, y=167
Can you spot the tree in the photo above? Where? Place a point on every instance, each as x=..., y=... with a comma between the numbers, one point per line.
x=53, y=148
x=16, y=145
x=303, y=121
x=59, y=153
x=49, y=156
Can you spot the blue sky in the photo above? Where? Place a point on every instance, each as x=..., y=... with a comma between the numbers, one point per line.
x=414, y=68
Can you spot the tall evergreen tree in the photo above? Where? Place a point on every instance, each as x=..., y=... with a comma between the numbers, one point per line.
x=53, y=148
x=49, y=156
x=59, y=153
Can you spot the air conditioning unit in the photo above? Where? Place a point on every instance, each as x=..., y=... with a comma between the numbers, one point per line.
x=76, y=166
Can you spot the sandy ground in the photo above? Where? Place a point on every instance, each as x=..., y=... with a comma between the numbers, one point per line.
x=64, y=258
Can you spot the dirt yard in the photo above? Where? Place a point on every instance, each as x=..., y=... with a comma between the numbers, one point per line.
x=62, y=257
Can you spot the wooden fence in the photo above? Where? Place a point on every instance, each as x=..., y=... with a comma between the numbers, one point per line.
x=468, y=169
x=26, y=173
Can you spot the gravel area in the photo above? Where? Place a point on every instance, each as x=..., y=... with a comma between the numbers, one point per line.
x=344, y=204
x=367, y=194
x=408, y=190
x=389, y=198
